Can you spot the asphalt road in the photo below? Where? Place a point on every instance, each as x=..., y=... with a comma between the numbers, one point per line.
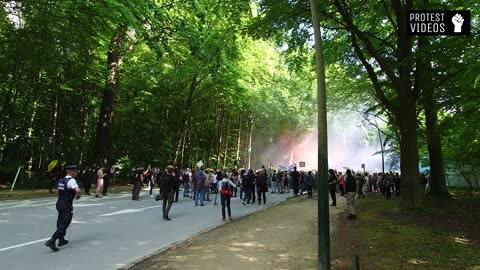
x=106, y=233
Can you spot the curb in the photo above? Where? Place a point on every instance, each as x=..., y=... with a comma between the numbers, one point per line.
x=190, y=238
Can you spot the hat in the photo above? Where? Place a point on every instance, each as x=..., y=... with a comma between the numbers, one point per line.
x=71, y=167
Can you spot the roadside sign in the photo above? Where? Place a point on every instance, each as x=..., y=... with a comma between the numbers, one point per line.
x=200, y=164
x=363, y=165
x=302, y=164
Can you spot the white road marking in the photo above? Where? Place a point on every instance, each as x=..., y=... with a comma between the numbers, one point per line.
x=150, y=207
x=125, y=211
x=24, y=244
x=78, y=222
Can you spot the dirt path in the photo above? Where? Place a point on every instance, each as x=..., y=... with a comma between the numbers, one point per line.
x=282, y=237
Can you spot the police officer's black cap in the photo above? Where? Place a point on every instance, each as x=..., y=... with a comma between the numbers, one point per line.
x=71, y=167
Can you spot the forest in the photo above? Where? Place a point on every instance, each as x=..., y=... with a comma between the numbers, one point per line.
x=172, y=82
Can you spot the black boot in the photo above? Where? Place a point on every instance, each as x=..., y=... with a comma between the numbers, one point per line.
x=166, y=218
x=51, y=244
x=62, y=242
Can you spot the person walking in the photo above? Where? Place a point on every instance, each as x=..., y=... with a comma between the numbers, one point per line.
x=200, y=180
x=309, y=182
x=225, y=189
x=262, y=187
x=68, y=190
x=167, y=188
x=137, y=185
x=247, y=183
x=107, y=179
x=176, y=185
x=209, y=184
x=341, y=183
x=350, y=192
x=332, y=186
x=100, y=175
x=87, y=177
x=151, y=181
x=295, y=180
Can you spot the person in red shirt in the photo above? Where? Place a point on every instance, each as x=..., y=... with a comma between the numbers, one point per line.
x=341, y=183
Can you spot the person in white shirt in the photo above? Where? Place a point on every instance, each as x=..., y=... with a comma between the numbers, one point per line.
x=225, y=189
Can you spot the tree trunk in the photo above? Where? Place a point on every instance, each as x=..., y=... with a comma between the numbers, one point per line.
x=425, y=83
x=104, y=129
x=239, y=137
x=412, y=196
x=475, y=177
x=214, y=137
x=54, y=124
x=193, y=86
x=226, y=141
x=250, y=142
x=219, y=146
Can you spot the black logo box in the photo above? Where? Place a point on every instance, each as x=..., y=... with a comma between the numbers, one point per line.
x=445, y=19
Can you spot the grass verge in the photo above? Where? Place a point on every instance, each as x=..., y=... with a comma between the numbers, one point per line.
x=445, y=234
x=25, y=194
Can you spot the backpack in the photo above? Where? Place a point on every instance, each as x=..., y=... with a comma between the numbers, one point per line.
x=226, y=189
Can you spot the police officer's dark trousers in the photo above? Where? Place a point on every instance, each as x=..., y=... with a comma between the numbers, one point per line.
x=65, y=214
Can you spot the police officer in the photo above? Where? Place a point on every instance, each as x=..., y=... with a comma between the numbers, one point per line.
x=67, y=191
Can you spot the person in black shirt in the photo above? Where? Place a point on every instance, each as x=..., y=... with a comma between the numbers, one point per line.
x=247, y=184
x=262, y=187
x=167, y=188
x=350, y=192
x=295, y=181
x=176, y=185
x=332, y=186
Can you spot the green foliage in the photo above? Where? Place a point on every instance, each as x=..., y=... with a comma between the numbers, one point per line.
x=188, y=67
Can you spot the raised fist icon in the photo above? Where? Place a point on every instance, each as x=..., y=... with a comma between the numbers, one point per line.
x=457, y=20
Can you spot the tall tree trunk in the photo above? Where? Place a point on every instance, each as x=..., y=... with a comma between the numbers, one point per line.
x=250, y=142
x=193, y=86
x=31, y=127
x=245, y=142
x=226, y=141
x=239, y=137
x=214, y=137
x=475, y=176
x=412, y=196
x=115, y=56
x=425, y=83
x=85, y=112
x=292, y=145
x=53, y=151
x=184, y=141
x=220, y=140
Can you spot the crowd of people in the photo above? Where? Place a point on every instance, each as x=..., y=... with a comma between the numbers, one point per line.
x=251, y=186
x=200, y=185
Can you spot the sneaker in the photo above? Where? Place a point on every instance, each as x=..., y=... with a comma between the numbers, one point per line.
x=166, y=218
x=351, y=216
x=224, y=220
x=51, y=244
x=248, y=204
x=62, y=242
x=243, y=203
x=230, y=218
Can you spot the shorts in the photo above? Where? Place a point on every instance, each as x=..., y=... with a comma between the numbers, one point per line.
x=100, y=182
